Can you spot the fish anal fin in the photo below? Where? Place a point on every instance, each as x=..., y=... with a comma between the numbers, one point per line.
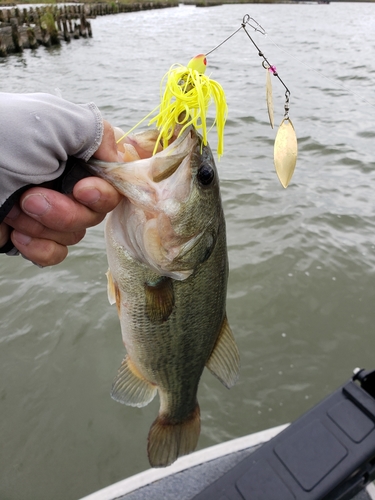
x=169, y=440
x=130, y=387
x=159, y=300
x=224, y=361
x=113, y=291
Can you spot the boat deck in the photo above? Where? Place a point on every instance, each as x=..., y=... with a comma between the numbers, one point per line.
x=190, y=475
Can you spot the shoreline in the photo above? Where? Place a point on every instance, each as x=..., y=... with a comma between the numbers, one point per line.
x=32, y=25
x=147, y=5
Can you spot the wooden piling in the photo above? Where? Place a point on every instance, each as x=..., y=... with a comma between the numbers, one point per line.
x=3, y=48
x=75, y=32
x=32, y=38
x=16, y=36
x=88, y=27
x=66, y=33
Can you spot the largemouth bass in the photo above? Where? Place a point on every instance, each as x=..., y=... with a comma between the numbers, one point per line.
x=168, y=269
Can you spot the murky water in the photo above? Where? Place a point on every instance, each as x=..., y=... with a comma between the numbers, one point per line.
x=302, y=260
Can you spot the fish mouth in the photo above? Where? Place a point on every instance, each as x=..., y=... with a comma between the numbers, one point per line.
x=142, y=146
x=178, y=151
x=146, y=167
x=147, y=145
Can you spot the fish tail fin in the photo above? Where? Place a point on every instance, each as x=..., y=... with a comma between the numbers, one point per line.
x=169, y=440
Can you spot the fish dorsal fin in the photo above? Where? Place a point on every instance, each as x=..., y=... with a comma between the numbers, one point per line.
x=224, y=361
x=159, y=300
x=130, y=387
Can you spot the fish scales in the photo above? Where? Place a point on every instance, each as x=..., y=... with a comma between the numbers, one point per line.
x=172, y=353
x=168, y=269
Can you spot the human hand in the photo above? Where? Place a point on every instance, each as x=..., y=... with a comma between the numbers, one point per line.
x=4, y=234
x=46, y=222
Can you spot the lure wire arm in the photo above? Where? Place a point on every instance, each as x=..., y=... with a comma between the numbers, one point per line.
x=220, y=44
x=269, y=67
x=250, y=21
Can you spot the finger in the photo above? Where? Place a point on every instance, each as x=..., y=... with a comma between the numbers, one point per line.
x=58, y=211
x=28, y=226
x=97, y=194
x=4, y=234
x=107, y=151
x=41, y=252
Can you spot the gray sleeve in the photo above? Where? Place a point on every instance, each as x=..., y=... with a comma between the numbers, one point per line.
x=38, y=132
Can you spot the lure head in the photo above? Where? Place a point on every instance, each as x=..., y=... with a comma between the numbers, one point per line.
x=198, y=63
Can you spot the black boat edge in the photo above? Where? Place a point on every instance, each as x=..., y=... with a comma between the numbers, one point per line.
x=326, y=454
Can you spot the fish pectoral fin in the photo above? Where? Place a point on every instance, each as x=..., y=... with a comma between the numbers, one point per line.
x=111, y=288
x=159, y=300
x=169, y=439
x=224, y=361
x=113, y=291
x=130, y=387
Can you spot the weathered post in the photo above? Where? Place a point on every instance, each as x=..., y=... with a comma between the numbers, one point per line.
x=32, y=39
x=3, y=48
x=82, y=26
x=66, y=33
x=37, y=16
x=76, y=32
x=31, y=16
x=17, y=16
x=16, y=36
x=88, y=26
x=69, y=23
x=58, y=21
x=26, y=19
x=49, y=30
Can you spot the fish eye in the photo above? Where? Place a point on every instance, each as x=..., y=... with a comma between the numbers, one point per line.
x=205, y=174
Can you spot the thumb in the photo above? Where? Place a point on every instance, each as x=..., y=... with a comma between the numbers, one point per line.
x=107, y=151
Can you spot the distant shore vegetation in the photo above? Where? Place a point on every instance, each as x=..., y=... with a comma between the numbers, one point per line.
x=173, y=3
